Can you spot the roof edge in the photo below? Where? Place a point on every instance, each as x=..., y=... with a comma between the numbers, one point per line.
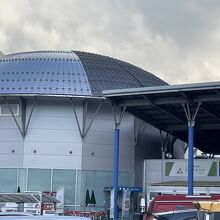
x=162, y=89
x=51, y=95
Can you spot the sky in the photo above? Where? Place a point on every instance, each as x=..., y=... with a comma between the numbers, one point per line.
x=176, y=40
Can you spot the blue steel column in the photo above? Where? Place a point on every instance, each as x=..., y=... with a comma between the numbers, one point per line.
x=191, y=116
x=116, y=162
x=190, y=157
x=116, y=158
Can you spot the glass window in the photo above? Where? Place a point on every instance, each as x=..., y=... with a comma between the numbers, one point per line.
x=66, y=178
x=124, y=179
x=8, y=180
x=92, y=180
x=22, y=179
x=39, y=180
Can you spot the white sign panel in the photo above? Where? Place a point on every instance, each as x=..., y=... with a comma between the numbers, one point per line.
x=180, y=168
x=60, y=197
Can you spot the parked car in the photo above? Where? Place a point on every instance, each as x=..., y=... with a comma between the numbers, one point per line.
x=210, y=216
x=188, y=214
x=15, y=214
x=165, y=203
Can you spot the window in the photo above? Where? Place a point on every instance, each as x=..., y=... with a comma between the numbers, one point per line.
x=5, y=111
x=22, y=174
x=39, y=180
x=124, y=178
x=8, y=180
x=88, y=180
x=66, y=178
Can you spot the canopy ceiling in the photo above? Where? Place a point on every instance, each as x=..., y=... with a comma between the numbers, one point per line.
x=163, y=107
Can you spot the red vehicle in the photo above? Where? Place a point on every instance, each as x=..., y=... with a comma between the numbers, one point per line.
x=164, y=203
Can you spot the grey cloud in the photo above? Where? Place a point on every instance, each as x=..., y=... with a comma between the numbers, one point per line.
x=176, y=40
x=183, y=20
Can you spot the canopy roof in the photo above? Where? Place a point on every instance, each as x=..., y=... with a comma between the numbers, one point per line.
x=163, y=107
x=27, y=198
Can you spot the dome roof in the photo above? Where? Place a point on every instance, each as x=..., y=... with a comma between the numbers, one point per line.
x=68, y=73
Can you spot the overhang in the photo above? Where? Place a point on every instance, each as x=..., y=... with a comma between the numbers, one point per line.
x=163, y=107
x=27, y=198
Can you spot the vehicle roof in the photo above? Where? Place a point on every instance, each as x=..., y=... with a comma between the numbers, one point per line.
x=177, y=215
x=15, y=214
x=176, y=212
x=186, y=197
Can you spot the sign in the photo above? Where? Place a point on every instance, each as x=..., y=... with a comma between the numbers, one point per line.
x=112, y=204
x=126, y=202
x=131, y=188
x=60, y=197
x=180, y=168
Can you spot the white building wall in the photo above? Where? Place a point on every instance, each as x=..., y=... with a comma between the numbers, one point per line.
x=53, y=139
x=153, y=172
x=11, y=143
x=98, y=145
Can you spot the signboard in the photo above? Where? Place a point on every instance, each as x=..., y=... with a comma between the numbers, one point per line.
x=112, y=204
x=126, y=202
x=180, y=168
x=60, y=197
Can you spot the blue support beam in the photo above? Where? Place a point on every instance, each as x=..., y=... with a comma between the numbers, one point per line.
x=191, y=116
x=190, y=158
x=116, y=162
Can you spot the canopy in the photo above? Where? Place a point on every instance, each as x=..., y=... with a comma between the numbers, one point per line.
x=27, y=198
x=165, y=108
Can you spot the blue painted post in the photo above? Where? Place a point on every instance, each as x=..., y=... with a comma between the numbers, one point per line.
x=190, y=158
x=116, y=162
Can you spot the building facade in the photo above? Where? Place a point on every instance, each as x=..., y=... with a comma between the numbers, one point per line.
x=58, y=130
